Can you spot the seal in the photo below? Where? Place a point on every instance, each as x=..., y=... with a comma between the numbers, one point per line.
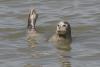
x=63, y=32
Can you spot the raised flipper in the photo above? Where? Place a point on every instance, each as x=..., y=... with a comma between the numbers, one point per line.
x=32, y=20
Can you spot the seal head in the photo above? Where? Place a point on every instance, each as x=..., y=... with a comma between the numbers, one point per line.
x=63, y=29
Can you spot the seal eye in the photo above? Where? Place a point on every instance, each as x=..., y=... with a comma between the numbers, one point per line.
x=58, y=25
x=64, y=25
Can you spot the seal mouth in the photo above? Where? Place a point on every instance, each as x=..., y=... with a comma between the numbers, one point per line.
x=61, y=32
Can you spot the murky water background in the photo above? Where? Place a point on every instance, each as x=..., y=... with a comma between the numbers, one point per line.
x=83, y=16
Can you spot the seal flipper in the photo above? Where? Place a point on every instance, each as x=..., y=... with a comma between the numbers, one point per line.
x=32, y=20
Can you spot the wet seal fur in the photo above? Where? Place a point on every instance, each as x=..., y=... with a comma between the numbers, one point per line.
x=63, y=33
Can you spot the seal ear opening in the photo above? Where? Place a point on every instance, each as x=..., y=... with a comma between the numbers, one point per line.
x=32, y=19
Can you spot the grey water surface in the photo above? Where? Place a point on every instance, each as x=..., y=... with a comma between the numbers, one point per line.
x=84, y=17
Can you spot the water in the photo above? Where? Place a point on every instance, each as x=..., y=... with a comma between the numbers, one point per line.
x=83, y=15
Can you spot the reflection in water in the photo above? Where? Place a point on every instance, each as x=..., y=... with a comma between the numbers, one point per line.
x=63, y=49
x=32, y=39
x=65, y=62
x=30, y=65
x=31, y=42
